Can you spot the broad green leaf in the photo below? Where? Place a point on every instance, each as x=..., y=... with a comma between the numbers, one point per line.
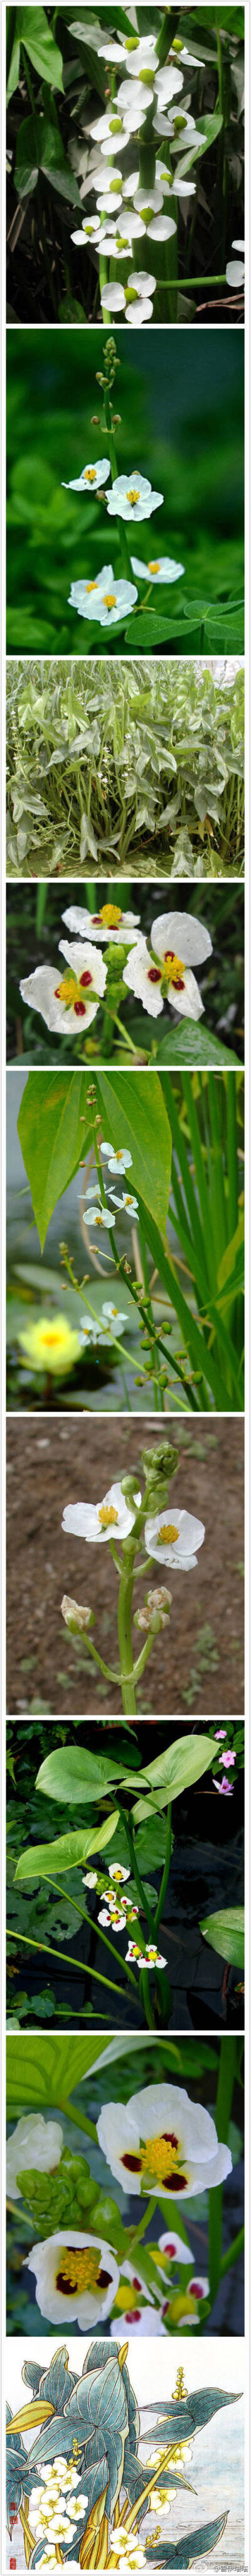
x=36, y=35
x=134, y=1114
x=66, y=1852
x=50, y=1129
x=202, y=1357
x=13, y=76
x=77, y=1777
x=225, y=1933
x=230, y=1272
x=175, y=1770
x=194, y=1045
x=153, y=631
x=49, y=2068
x=196, y=2544
x=40, y=147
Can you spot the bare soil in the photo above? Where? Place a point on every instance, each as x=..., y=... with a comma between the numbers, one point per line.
x=50, y=1463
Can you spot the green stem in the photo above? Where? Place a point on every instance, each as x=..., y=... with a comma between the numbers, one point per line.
x=142, y=1659
x=165, y=1877
x=93, y=1927
x=233, y=2251
x=71, y=1963
x=106, y=1669
x=71, y=2112
x=146, y=1999
x=125, y=1631
x=143, y=1899
x=226, y=2078
x=126, y=559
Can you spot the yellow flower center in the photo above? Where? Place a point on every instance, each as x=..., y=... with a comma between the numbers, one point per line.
x=167, y=1534
x=70, y=991
x=133, y=497
x=52, y=1341
x=107, y=1516
x=153, y=567
x=90, y=470
x=110, y=598
x=110, y=913
x=160, y=2156
x=174, y=967
x=79, y=2269
x=91, y=585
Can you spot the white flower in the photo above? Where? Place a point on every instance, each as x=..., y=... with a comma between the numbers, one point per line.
x=174, y=1542
x=132, y=497
x=90, y=1877
x=112, y=1327
x=93, y=1190
x=91, y=1331
x=118, y=1920
x=65, y=999
x=170, y=180
x=89, y=233
x=60, y=2526
x=109, y=924
x=106, y=599
x=161, y=228
x=109, y=197
x=235, y=270
x=119, y=239
x=132, y=103
x=117, y=1156
x=92, y=477
x=115, y=1870
x=36, y=2143
x=99, y=1216
x=174, y=2248
x=135, y=51
x=196, y=59
x=198, y=2287
x=111, y=132
x=101, y=1521
x=171, y=980
x=148, y=1958
x=162, y=2142
x=160, y=568
x=141, y=2321
x=137, y=307
x=149, y=202
x=76, y=2277
x=128, y=1202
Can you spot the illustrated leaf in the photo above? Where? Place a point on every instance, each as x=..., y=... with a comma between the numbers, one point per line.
x=66, y=1853
x=36, y=35
x=225, y=1933
x=195, y=2545
x=50, y=1129
x=136, y=1116
x=74, y=1776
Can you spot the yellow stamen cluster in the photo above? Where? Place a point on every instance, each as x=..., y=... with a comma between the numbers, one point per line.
x=174, y=968
x=167, y=1534
x=90, y=474
x=107, y=1516
x=111, y=914
x=159, y=2157
x=78, y=2269
x=110, y=599
x=133, y=497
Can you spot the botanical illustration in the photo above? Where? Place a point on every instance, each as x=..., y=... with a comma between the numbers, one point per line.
x=111, y=1885
x=112, y=768
x=125, y=164
x=117, y=480
x=126, y=2206
x=87, y=2489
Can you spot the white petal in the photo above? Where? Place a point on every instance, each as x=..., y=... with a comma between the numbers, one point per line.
x=161, y=228
x=177, y=931
x=188, y=1002
x=235, y=272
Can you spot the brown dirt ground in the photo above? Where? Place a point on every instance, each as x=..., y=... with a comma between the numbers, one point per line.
x=48, y=1465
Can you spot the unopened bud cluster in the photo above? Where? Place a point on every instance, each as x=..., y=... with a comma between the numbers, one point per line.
x=76, y=1616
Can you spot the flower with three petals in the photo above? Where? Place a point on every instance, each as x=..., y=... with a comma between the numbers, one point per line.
x=135, y=300
x=162, y=2142
x=174, y=1542
x=76, y=2277
x=117, y=1156
x=109, y=924
x=127, y=1202
x=100, y=1521
x=92, y=477
x=65, y=999
x=175, y=938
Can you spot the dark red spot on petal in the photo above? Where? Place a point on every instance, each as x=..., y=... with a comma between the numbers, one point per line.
x=175, y=2182
x=196, y=2291
x=132, y=2316
x=154, y=976
x=170, y=952
x=104, y=2279
x=133, y=2163
x=169, y=2139
x=80, y=1011
x=86, y=978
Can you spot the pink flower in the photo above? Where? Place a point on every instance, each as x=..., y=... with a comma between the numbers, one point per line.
x=228, y=1758
x=219, y=1737
x=224, y=1788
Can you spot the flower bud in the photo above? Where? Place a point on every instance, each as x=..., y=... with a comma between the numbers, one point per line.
x=128, y=1487
x=160, y=1600
x=159, y=1462
x=75, y=1616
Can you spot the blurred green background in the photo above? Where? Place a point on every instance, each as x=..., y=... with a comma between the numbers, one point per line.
x=182, y=424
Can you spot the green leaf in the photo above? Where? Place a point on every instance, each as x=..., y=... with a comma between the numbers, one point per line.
x=48, y=2070
x=175, y=1770
x=134, y=1115
x=230, y=1272
x=50, y=1129
x=39, y=42
x=13, y=76
x=193, y=1044
x=208, y=127
x=66, y=1852
x=151, y=630
x=76, y=1777
x=202, y=1357
x=40, y=147
x=195, y=2545
x=225, y=1933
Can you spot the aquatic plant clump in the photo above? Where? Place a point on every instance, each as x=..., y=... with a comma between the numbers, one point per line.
x=115, y=767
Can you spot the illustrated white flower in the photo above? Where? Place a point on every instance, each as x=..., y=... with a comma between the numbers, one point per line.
x=174, y=1542
x=132, y=497
x=117, y=1156
x=99, y=1216
x=92, y=477
x=161, y=568
x=235, y=269
x=115, y=1870
x=60, y=2526
x=76, y=2277
x=88, y=235
x=101, y=1521
x=171, y=980
x=198, y=2287
x=127, y=1201
x=35, y=2142
x=109, y=924
x=174, y=2249
x=107, y=600
x=64, y=999
x=161, y=2141
x=148, y=1958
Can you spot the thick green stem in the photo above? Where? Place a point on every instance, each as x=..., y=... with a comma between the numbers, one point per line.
x=233, y=2252
x=125, y=1631
x=224, y=2097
